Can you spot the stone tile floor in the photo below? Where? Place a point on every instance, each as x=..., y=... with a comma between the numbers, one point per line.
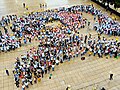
x=81, y=75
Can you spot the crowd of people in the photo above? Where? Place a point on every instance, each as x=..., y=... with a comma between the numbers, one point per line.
x=56, y=43
x=107, y=26
x=57, y=46
x=29, y=26
x=8, y=42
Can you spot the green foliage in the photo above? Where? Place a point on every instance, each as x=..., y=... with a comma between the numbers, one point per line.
x=117, y=3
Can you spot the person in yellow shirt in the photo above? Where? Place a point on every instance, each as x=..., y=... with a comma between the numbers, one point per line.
x=116, y=39
x=26, y=7
x=39, y=79
x=11, y=26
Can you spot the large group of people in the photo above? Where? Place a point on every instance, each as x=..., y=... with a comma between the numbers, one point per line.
x=29, y=26
x=8, y=42
x=56, y=46
x=107, y=26
x=56, y=43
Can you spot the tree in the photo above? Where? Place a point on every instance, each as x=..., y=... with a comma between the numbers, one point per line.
x=117, y=3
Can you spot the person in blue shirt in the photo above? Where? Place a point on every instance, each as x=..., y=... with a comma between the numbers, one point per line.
x=25, y=41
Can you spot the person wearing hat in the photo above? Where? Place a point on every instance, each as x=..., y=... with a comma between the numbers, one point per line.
x=68, y=87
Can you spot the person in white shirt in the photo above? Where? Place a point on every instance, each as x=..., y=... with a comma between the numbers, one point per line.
x=23, y=87
x=53, y=66
x=26, y=84
x=57, y=62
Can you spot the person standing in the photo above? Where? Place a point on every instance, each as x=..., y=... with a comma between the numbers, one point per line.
x=57, y=62
x=29, y=40
x=7, y=72
x=68, y=87
x=26, y=84
x=23, y=87
x=25, y=41
x=23, y=5
x=49, y=69
x=42, y=73
x=53, y=66
x=40, y=5
x=26, y=7
x=111, y=75
x=85, y=39
x=31, y=81
x=35, y=80
x=102, y=88
x=17, y=83
x=94, y=17
x=6, y=31
x=88, y=23
x=0, y=33
x=39, y=78
x=50, y=76
x=45, y=5
x=45, y=70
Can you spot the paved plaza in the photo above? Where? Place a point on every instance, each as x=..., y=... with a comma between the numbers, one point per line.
x=90, y=74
